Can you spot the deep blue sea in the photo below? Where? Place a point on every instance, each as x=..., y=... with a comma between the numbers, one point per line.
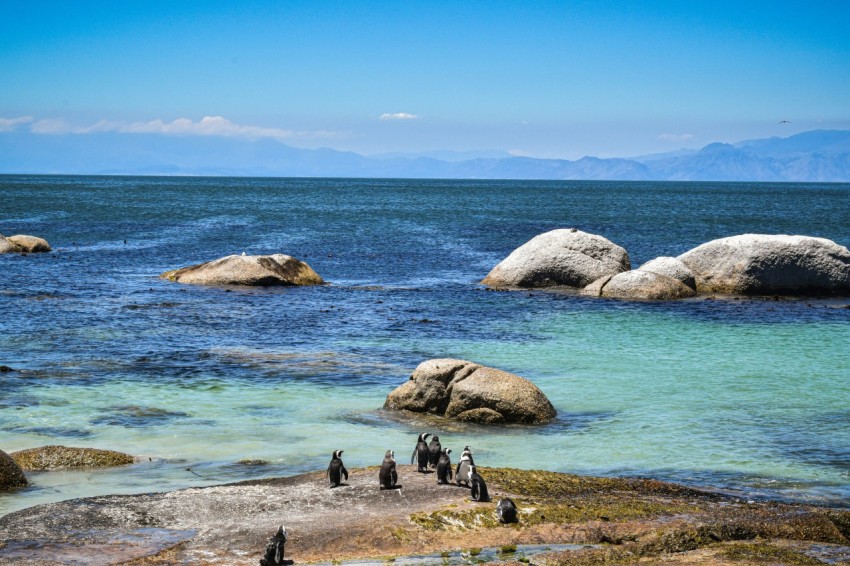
x=751, y=396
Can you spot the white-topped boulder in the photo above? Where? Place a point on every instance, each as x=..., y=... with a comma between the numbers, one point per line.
x=563, y=257
x=671, y=267
x=30, y=244
x=764, y=264
x=641, y=286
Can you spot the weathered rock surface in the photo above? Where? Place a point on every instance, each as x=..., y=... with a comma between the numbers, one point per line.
x=761, y=264
x=30, y=244
x=7, y=246
x=671, y=267
x=565, y=257
x=11, y=475
x=255, y=270
x=640, y=285
x=466, y=391
x=60, y=457
x=625, y=521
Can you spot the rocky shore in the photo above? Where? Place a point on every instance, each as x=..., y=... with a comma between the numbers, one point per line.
x=615, y=521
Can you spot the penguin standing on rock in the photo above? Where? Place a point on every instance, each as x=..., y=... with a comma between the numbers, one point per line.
x=444, y=467
x=462, y=472
x=434, y=451
x=336, y=469
x=274, y=550
x=388, y=475
x=420, y=453
x=479, y=487
x=506, y=510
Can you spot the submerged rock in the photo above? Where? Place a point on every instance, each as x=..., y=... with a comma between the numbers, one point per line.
x=59, y=457
x=254, y=270
x=469, y=392
x=30, y=244
x=565, y=257
x=762, y=264
x=671, y=267
x=11, y=474
x=640, y=285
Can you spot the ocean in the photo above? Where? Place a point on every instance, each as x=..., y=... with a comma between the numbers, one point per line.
x=747, y=396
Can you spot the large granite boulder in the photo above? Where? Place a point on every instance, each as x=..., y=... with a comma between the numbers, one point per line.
x=761, y=264
x=256, y=270
x=30, y=244
x=11, y=475
x=466, y=391
x=640, y=285
x=565, y=257
x=60, y=457
x=671, y=267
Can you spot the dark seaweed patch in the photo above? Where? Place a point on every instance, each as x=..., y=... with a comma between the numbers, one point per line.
x=134, y=416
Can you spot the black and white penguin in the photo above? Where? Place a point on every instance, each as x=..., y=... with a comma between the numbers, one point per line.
x=274, y=550
x=506, y=510
x=336, y=469
x=444, y=467
x=420, y=453
x=434, y=451
x=479, y=488
x=462, y=472
x=388, y=475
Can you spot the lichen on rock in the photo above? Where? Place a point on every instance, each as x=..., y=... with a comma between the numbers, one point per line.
x=60, y=457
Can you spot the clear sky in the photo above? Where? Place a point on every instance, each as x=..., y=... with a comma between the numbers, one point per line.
x=549, y=79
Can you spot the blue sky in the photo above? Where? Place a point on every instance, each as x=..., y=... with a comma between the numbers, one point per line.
x=549, y=79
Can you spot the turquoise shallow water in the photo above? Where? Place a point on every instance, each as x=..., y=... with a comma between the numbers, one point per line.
x=751, y=396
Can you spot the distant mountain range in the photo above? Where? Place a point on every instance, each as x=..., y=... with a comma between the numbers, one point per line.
x=814, y=156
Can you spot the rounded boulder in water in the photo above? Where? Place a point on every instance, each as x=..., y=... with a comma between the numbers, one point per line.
x=559, y=258
x=11, y=474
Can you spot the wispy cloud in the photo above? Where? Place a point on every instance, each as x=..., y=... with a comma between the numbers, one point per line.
x=675, y=138
x=399, y=116
x=206, y=126
x=9, y=124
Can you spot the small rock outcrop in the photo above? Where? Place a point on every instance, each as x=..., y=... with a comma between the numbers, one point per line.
x=466, y=391
x=640, y=285
x=671, y=267
x=564, y=257
x=60, y=457
x=7, y=246
x=761, y=264
x=254, y=270
x=30, y=244
x=11, y=475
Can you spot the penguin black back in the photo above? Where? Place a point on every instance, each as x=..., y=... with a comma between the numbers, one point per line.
x=444, y=467
x=274, y=550
x=336, y=469
x=506, y=510
x=435, y=449
x=478, y=486
x=388, y=476
x=420, y=453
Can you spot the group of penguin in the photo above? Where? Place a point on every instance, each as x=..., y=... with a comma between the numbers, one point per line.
x=425, y=455
x=432, y=455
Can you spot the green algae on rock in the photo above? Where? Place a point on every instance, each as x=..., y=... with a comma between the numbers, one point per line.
x=61, y=457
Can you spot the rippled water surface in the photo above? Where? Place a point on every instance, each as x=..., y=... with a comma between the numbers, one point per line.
x=751, y=396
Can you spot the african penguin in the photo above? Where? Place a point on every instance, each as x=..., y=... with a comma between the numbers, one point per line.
x=462, y=472
x=388, y=475
x=479, y=488
x=434, y=450
x=336, y=469
x=274, y=550
x=420, y=453
x=506, y=510
x=444, y=467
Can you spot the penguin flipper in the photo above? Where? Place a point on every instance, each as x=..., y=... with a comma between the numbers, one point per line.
x=415, y=452
x=345, y=473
